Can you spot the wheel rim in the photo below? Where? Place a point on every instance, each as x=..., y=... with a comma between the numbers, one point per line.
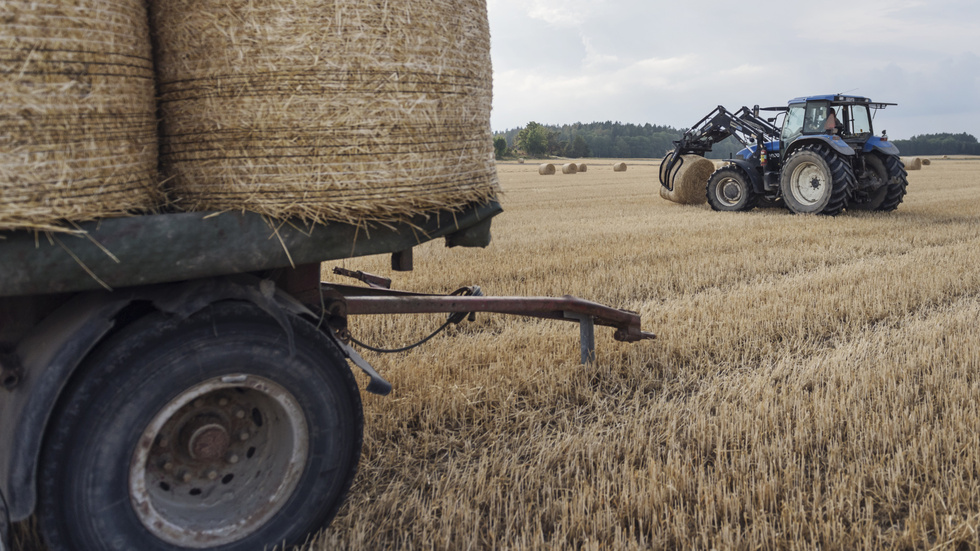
x=218, y=461
x=809, y=183
x=729, y=191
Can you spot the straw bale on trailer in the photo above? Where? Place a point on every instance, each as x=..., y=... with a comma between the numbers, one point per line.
x=569, y=168
x=345, y=110
x=912, y=163
x=546, y=169
x=582, y=167
x=690, y=181
x=619, y=167
x=77, y=112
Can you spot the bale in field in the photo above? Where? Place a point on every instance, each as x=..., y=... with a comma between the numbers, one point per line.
x=344, y=110
x=619, y=167
x=690, y=181
x=569, y=168
x=520, y=161
x=926, y=162
x=78, y=113
x=912, y=163
x=582, y=167
x=546, y=169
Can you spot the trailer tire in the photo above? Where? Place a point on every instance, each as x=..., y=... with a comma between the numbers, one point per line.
x=815, y=180
x=729, y=189
x=213, y=431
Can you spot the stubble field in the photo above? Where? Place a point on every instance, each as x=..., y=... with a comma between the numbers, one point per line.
x=814, y=383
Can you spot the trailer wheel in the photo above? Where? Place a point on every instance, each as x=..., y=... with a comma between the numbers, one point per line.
x=816, y=180
x=202, y=433
x=729, y=189
x=897, y=183
x=878, y=175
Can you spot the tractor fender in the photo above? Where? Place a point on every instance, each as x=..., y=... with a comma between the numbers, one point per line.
x=836, y=143
x=751, y=169
x=882, y=146
x=55, y=348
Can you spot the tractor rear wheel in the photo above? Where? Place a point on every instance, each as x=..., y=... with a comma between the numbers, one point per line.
x=815, y=180
x=876, y=177
x=897, y=183
x=213, y=431
x=729, y=189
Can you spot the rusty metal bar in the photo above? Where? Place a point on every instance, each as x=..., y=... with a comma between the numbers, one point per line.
x=378, y=301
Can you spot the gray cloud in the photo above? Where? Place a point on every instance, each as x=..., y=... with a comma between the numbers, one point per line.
x=563, y=61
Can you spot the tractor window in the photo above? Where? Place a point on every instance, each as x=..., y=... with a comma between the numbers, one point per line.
x=816, y=117
x=793, y=123
x=860, y=121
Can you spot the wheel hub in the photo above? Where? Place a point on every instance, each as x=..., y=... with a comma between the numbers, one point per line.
x=731, y=191
x=810, y=183
x=218, y=461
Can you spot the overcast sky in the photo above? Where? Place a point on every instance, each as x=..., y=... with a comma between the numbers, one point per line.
x=640, y=61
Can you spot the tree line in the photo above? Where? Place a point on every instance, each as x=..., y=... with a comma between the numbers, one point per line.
x=939, y=144
x=625, y=141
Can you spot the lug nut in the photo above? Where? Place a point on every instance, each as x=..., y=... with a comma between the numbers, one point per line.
x=164, y=442
x=186, y=476
x=240, y=413
x=198, y=403
x=243, y=436
x=212, y=474
x=223, y=402
x=168, y=466
x=233, y=458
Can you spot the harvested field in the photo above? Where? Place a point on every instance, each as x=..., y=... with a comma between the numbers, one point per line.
x=814, y=383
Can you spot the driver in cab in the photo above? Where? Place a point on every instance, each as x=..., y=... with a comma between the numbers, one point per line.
x=832, y=125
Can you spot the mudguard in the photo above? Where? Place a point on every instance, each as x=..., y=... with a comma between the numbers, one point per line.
x=882, y=146
x=58, y=345
x=834, y=142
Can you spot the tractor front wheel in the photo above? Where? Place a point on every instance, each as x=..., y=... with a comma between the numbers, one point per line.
x=815, y=180
x=729, y=189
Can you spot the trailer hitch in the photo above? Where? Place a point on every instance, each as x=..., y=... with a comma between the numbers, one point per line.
x=373, y=300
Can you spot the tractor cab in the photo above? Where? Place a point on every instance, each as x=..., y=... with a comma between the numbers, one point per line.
x=832, y=118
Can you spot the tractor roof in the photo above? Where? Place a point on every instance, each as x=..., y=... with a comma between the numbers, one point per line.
x=840, y=99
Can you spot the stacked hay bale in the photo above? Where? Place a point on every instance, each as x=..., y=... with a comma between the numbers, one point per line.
x=345, y=110
x=569, y=168
x=546, y=169
x=912, y=163
x=619, y=167
x=690, y=181
x=78, y=113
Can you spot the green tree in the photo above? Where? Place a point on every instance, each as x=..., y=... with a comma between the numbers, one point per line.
x=579, y=148
x=499, y=147
x=533, y=139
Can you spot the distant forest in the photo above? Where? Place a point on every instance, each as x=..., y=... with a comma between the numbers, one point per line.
x=625, y=141
x=939, y=144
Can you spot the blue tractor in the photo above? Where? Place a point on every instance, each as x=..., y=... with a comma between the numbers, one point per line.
x=825, y=158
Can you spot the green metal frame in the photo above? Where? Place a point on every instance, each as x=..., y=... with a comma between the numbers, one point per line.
x=141, y=250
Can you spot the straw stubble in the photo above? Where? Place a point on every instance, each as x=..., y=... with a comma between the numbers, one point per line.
x=325, y=111
x=77, y=110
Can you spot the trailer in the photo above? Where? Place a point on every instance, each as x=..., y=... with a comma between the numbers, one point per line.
x=184, y=380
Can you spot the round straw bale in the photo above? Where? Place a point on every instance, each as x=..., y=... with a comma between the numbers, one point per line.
x=619, y=167
x=569, y=168
x=344, y=110
x=926, y=162
x=912, y=163
x=520, y=161
x=582, y=167
x=546, y=169
x=690, y=181
x=78, y=113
